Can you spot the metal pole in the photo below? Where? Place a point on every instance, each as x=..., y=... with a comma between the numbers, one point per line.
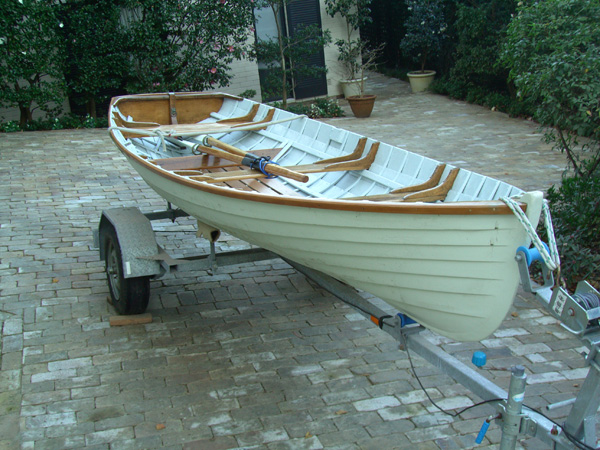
x=512, y=414
x=582, y=417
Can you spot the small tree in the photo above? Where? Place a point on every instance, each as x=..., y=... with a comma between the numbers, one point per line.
x=287, y=57
x=553, y=52
x=97, y=60
x=356, y=14
x=425, y=30
x=176, y=45
x=31, y=57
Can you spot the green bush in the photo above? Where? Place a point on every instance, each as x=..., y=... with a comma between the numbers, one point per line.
x=31, y=57
x=66, y=121
x=477, y=75
x=184, y=46
x=553, y=52
x=480, y=95
x=481, y=27
x=96, y=66
x=575, y=208
x=319, y=108
x=10, y=126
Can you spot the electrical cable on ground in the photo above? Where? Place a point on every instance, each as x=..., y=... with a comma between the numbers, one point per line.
x=569, y=436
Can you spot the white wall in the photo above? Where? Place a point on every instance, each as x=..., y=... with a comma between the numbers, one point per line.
x=335, y=71
x=245, y=76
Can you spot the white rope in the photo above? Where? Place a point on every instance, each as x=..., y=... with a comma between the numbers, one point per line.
x=551, y=258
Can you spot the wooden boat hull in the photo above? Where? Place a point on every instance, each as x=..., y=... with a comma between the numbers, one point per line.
x=451, y=267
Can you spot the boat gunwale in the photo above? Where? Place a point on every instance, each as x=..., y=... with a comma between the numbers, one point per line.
x=166, y=95
x=485, y=207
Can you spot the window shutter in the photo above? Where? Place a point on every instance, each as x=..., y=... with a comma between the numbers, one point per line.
x=302, y=13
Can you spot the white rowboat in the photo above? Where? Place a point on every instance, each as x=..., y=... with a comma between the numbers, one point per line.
x=435, y=242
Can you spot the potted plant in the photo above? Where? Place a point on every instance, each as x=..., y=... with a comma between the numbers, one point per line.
x=425, y=32
x=362, y=104
x=355, y=13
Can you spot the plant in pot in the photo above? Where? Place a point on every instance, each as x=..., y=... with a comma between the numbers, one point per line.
x=355, y=13
x=425, y=33
x=362, y=104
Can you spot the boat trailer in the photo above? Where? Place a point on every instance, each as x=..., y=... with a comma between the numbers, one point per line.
x=128, y=245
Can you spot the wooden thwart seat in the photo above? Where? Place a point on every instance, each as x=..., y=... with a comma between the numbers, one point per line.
x=215, y=169
x=343, y=163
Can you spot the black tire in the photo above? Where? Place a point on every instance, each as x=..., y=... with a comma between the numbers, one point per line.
x=129, y=295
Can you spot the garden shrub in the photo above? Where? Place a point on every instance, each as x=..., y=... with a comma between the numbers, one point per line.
x=480, y=28
x=425, y=31
x=97, y=62
x=575, y=208
x=316, y=109
x=31, y=58
x=184, y=46
x=553, y=52
x=477, y=74
x=66, y=121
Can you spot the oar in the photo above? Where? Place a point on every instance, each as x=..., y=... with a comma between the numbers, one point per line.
x=211, y=141
x=246, y=159
x=250, y=160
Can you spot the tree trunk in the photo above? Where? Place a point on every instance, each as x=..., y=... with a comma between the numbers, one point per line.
x=91, y=107
x=276, y=10
x=26, y=115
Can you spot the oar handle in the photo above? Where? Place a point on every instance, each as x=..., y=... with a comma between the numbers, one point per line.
x=269, y=167
x=211, y=141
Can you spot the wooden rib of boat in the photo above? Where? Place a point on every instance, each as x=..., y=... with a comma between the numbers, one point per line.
x=434, y=241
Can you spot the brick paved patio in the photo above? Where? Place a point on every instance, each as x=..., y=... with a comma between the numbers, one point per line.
x=252, y=357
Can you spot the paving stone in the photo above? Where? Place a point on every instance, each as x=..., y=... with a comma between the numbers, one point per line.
x=308, y=443
x=262, y=437
x=430, y=433
x=109, y=436
x=217, y=443
x=317, y=427
x=374, y=404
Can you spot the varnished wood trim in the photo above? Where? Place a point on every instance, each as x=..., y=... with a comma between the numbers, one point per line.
x=268, y=117
x=247, y=118
x=432, y=182
x=357, y=164
x=357, y=153
x=435, y=194
x=173, y=108
x=165, y=96
x=493, y=207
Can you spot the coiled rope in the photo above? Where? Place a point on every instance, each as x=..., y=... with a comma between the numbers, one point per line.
x=550, y=257
x=587, y=300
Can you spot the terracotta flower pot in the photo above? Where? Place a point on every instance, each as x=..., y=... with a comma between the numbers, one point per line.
x=362, y=105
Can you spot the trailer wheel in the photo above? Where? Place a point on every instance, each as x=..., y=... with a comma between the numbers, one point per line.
x=129, y=295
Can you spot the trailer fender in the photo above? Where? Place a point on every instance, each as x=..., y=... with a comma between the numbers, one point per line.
x=136, y=241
